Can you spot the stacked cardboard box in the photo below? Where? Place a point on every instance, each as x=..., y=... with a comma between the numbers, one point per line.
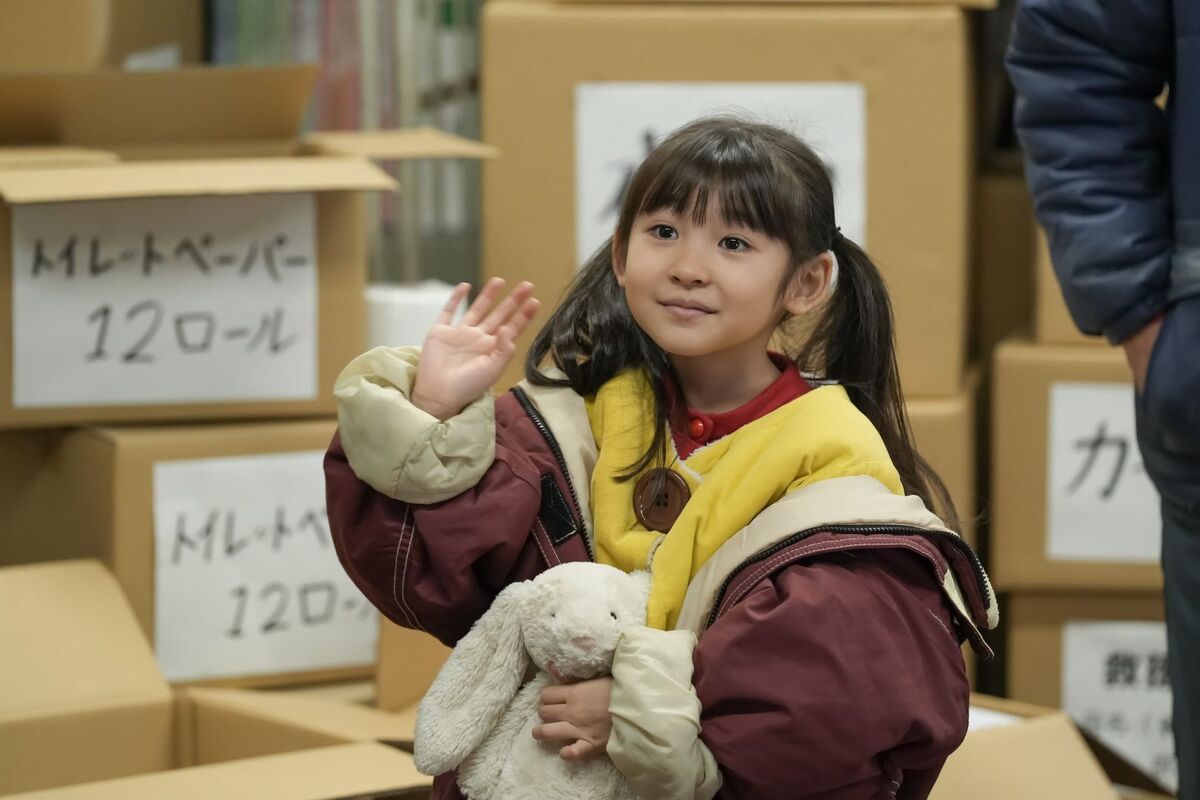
x=172, y=251
x=1075, y=544
x=85, y=701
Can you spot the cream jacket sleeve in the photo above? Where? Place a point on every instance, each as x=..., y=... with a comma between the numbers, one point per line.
x=397, y=448
x=655, y=739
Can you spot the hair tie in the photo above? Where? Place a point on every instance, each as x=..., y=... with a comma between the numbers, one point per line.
x=836, y=239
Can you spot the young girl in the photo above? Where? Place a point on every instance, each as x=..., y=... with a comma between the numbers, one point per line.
x=807, y=608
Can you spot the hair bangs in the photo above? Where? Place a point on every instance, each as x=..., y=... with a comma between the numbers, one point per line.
x=748, y=186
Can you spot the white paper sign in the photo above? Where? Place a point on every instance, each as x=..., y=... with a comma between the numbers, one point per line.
x=165, y=300
x=1114, y=684
x=1100, y=504
x=618, y=123
x=246, y=578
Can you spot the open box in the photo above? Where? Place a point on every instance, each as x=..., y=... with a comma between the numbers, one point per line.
x=221, y=277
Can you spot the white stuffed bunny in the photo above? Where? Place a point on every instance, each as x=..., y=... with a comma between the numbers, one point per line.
x=477, y=717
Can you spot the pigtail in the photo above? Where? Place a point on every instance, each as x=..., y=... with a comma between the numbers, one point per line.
x=591, y=337
x=853, y=342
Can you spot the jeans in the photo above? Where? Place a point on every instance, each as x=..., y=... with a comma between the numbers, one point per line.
x=1174, y=467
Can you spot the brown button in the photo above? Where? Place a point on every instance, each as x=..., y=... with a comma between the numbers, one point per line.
x=658, y=499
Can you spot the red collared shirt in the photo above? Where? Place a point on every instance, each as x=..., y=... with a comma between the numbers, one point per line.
x=693, y=430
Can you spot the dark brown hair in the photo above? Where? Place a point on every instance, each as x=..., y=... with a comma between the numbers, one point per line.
x=767, y=180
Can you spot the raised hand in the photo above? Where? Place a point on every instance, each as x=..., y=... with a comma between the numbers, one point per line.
x=459, y=362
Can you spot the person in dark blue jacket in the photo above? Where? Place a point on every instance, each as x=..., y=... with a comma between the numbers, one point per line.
x=1116, y=183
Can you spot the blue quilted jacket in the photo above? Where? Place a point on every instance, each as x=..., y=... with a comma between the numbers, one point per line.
x=1116, y=179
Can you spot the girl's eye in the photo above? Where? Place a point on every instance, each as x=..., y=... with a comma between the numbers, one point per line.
x=734, y=244
x=664, y=232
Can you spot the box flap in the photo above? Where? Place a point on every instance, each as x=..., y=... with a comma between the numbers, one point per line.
x=180, y=178
x=361, y=771
x=191, y=104
x=336, y=721
x=404, y=144
x=1037, y=757
x=31, y=157
x=70, y=642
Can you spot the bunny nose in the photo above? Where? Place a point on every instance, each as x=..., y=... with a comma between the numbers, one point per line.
x=584, y=642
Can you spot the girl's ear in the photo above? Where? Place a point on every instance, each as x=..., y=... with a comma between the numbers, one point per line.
x=811, y=284
x=618, y=262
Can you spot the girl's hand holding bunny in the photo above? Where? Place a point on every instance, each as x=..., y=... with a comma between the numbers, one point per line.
x=576, y=713
x=459, y=362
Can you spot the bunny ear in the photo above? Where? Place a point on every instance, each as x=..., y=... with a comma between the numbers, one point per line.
x=474, y=686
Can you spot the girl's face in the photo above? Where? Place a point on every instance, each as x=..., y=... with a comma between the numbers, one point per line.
x=709, y=289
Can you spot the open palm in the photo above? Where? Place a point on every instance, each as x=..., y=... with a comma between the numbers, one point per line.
x=460, y=361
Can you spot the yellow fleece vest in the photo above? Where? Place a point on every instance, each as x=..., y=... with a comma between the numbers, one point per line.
x=817, y=436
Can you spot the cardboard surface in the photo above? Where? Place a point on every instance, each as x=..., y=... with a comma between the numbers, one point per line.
x=229, y=724
x=186, y=178
x=1002, y=285
x=408, y=143
x=359, y=771
x=82, y=697
x=1035, y=622
x=944, y=431
x=193, y=108
x=88, y=34
x=1053, y=321
x=1041, y=756
x=108, y=472
x=408, y=662
x=1023, y=376
x=33, y=157
x=911, y=60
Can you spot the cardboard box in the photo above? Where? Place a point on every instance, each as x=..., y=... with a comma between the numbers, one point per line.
x=1020, y=750
x=408, y=662
x=1002, y=295
x=82, y=698
x=163, y=346
x=365, y=771
x=1102, y=659
x=216, y=300
x=218, y=725
x=218, y=536
x=91, y=34
x=1072, y=505
x=964, y=3
x=944, y=431
x=895, y=77
x=1054, y=323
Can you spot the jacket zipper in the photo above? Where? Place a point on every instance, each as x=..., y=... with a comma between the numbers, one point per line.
x=544, y=430
x=902, y=530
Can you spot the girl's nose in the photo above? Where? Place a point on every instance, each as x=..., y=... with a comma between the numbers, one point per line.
x=584, y=643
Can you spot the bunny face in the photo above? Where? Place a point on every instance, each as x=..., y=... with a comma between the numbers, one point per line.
x=574, y=614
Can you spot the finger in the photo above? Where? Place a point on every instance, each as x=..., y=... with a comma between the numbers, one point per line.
x=491, y=290
x=556, y=731
x=577, y=750
x=446, y=315
x=553, y=713
x=508, y=307
x=520, y=321
x=553, y=695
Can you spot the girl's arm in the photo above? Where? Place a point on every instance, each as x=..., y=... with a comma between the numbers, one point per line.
x=432, y=518
x=834, y=679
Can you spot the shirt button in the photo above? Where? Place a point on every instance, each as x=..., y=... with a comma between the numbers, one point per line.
x=696, y=429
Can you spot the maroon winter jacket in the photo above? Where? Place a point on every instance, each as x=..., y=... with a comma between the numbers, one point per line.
x=830, y=668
